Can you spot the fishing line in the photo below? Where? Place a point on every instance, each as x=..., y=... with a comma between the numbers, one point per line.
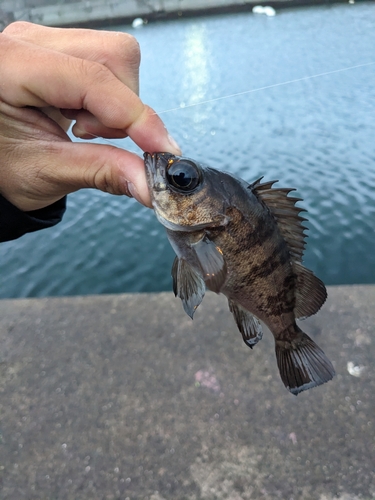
x=250, y=91
x=264, y=88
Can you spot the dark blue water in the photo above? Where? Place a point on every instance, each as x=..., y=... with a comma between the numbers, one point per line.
x=317, y=135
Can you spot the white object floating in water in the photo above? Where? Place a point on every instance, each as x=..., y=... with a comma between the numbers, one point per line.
x=138, y=22
x=354, y=370
x=351, y=1
x=267, y=10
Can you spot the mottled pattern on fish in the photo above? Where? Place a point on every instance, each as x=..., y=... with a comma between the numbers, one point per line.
x=245, y=241
x=259, y=262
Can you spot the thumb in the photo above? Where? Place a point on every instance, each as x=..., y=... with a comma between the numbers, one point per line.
x=107, y=168
x=65, y=167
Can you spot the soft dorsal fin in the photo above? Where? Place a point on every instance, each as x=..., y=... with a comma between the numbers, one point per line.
x=286, y=214
x=310, y=292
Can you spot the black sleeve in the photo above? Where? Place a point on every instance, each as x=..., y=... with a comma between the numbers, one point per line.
x=15, y=223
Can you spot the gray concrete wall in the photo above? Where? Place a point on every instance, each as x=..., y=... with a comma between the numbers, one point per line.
x=99, y=12
x=124, y=397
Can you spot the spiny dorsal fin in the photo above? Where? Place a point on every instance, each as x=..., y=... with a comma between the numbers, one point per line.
x=286, y=214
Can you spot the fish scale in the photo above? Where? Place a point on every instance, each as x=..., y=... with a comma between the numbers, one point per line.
x=253, y=268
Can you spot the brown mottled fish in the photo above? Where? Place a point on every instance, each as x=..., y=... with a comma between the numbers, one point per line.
x=245, y=241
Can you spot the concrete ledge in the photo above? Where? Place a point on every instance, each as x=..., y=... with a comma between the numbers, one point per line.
x=101, y=12
x=115, y=397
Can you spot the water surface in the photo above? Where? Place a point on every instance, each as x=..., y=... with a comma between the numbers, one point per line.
x=316, y=135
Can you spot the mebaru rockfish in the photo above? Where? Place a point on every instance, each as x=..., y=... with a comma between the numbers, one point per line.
x=245, y=241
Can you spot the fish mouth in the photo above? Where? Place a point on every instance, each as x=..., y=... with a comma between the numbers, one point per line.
x=150, y=165
x=156, y=167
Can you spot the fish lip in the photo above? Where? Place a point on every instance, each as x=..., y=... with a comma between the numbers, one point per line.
x=150, y=164
x=154, y=177
x=155, y=164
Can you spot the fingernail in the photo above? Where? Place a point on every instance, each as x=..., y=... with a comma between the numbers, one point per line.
x=174, y=144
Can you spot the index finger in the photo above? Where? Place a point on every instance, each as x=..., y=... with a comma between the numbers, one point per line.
x=51, y=78
x=118, y=51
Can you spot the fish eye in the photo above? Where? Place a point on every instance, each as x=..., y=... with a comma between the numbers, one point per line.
x=183, y=175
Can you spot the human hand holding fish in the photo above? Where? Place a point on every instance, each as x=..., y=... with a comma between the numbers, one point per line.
x=245, y=241
x=50, y=77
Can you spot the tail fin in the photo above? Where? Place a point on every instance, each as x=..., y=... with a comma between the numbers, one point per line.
x=302, y=364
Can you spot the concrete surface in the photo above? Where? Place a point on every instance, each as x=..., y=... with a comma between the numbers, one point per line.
x=124, y=397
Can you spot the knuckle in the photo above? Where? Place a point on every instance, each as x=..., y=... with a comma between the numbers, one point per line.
x=124, y=49
x=94, y=71
x=99, y=177
x=16, y=28
x=106, y=177
x=130, y=48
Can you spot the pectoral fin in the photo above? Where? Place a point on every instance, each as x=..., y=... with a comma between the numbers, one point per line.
x=212, y=263
x=188, y=285
x=248, y=324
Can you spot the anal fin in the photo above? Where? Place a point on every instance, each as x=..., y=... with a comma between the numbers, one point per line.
x=248, y=325
x=188, y=285
x=302, y=364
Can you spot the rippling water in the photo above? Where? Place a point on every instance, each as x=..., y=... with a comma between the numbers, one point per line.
x=317, y=135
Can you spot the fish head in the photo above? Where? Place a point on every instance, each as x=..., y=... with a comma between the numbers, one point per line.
x=185, y=194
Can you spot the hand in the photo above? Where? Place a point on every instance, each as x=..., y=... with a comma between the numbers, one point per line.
x=50, y=76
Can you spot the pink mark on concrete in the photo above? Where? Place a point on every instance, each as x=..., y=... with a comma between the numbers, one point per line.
x=206, y=378
x=293, y=437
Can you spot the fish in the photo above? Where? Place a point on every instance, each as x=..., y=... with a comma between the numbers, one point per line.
x=246, y=241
